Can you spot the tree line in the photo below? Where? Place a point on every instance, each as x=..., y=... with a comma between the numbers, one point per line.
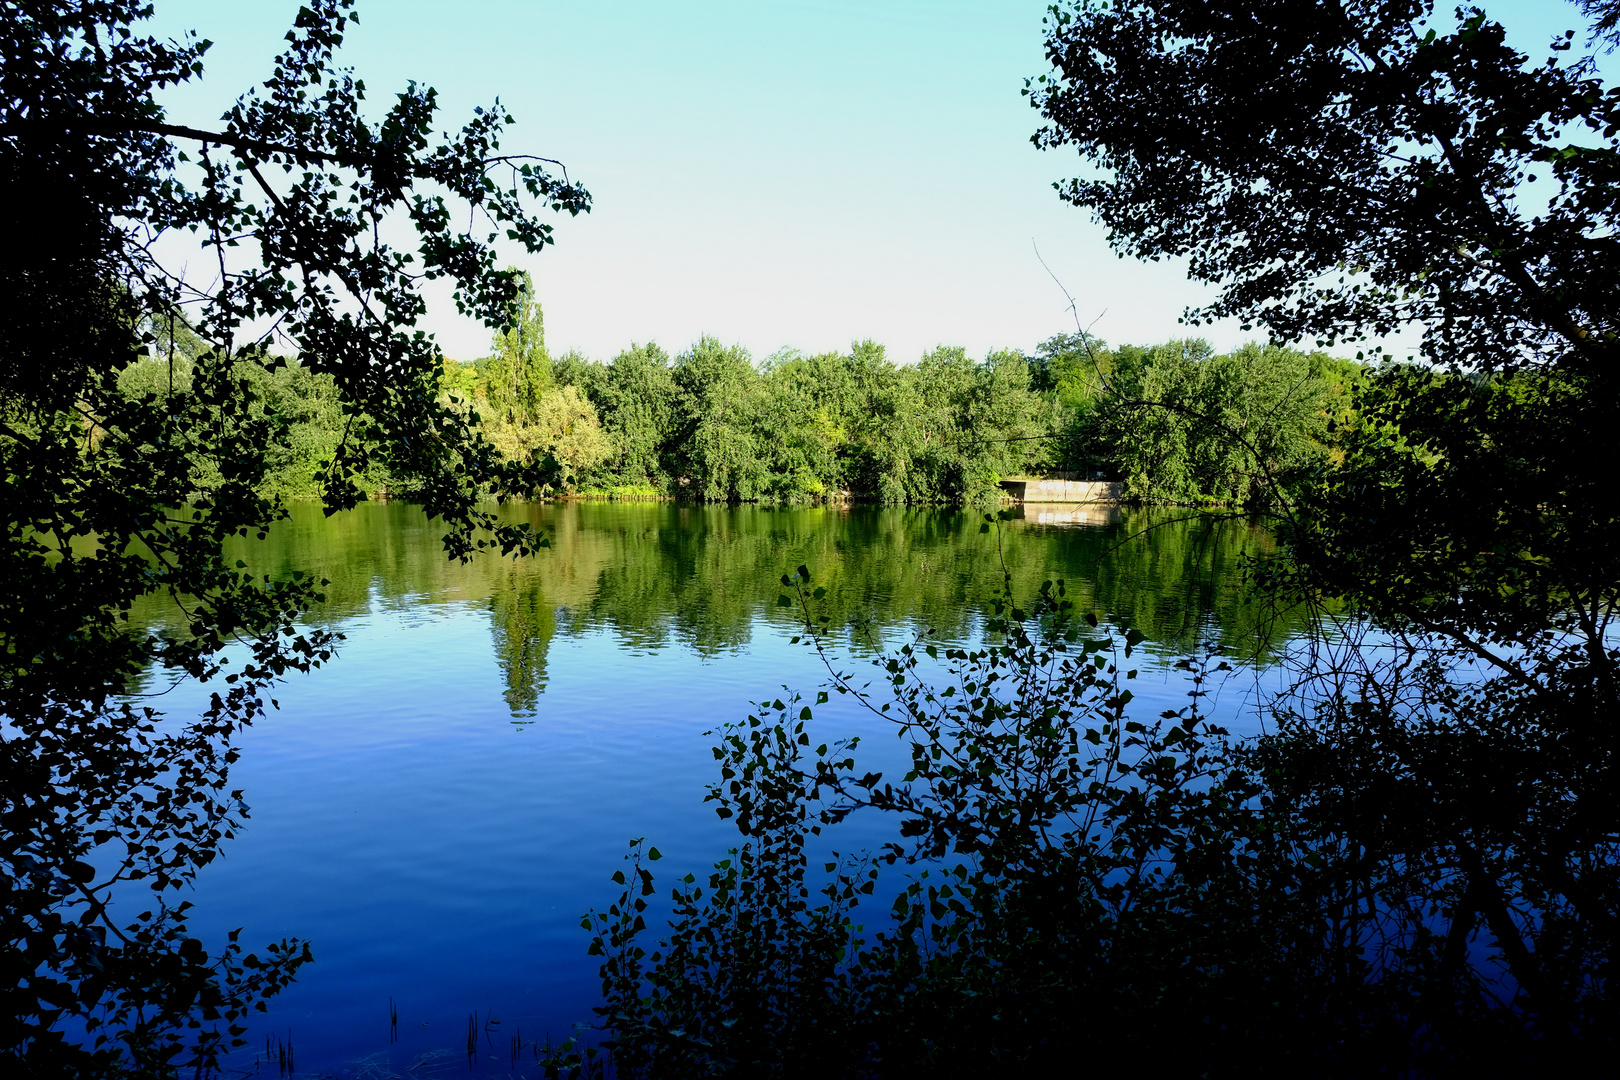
x=709, y=424
x=1175, y=422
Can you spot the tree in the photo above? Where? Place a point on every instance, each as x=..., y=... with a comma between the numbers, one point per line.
x=972, y=425
x=518, y=373
x=525, y=413
x=807, y=406
x=1340, y=171
x=1416, y=872
x=718, y=452
x=876, y=463
x=570, y=432
x=1185, y=424
x=635, y=398
x=115, y=487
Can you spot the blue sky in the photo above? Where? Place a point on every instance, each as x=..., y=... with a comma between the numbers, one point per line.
x=778, y=174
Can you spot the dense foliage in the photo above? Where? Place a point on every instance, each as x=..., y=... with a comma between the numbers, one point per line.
x=145, y=420
x=1342, y=170
x=1176, y=422
x=1415, y=872
x=1084, y=886
x=1337, y=172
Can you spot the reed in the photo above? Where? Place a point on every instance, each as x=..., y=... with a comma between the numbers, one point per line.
x=280, y=1052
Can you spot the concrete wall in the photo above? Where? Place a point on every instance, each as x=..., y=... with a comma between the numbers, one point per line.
x=1063, y=491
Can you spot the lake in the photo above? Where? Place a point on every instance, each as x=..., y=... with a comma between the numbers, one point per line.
x=436, y=808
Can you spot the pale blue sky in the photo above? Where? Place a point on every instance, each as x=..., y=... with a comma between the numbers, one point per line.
x=778, y=174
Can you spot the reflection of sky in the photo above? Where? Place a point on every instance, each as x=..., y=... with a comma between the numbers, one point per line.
x=439, y=854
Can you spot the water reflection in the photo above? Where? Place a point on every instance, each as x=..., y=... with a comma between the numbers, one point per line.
x=703, y=577
x=1088, y=515
x=435, y=855
x=523, y=623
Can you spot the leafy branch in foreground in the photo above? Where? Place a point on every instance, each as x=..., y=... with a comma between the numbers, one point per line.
x=116, y=486
x=1057, y=845
x=1340, y=171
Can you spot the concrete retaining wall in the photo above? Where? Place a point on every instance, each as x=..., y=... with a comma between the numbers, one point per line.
x=1063, y=491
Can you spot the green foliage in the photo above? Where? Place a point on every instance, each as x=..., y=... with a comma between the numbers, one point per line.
x=570, y=431
x=713, y=426
x=514, y=400
x=1232, y=427
x=523, y=411
x=516, y=376
x=635, y=397
x=718, y=451
x=302, y=408
x=807, y=405
x=876, y=460
x=972, y=425
x=1179, y=423
x=1482, y=505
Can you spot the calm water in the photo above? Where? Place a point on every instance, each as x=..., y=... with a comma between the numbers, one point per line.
x=437, y=808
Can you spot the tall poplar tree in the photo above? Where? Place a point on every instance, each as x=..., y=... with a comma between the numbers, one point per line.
x=517, y=375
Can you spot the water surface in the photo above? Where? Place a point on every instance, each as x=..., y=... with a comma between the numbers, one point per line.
x=437, y=808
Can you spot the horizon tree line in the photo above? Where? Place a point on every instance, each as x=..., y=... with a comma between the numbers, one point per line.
x=1175, y=422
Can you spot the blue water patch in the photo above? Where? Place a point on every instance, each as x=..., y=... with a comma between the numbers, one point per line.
x=437, y=808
